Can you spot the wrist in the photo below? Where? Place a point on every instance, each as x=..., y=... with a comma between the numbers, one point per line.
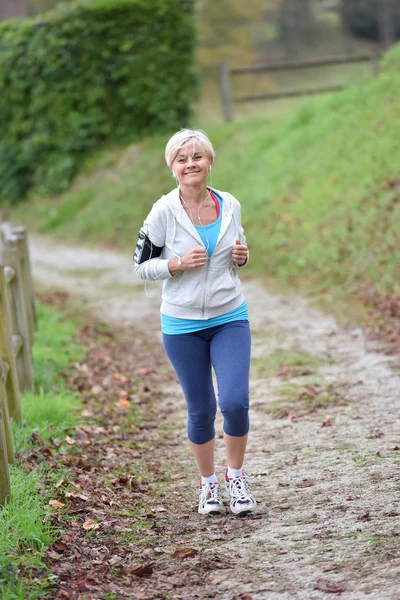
x=175, y=265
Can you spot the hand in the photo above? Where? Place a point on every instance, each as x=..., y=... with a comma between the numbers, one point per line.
x=239, y=253
x=193, y=259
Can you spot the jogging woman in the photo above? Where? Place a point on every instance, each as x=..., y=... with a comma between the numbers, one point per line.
x=194, y=241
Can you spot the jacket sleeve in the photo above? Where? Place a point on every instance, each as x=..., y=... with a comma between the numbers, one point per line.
x=154, y=228
x=240, y=232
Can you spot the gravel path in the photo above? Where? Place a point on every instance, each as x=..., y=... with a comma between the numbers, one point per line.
x=324, y=447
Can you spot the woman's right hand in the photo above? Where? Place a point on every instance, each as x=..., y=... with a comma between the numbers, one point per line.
x=193, y=259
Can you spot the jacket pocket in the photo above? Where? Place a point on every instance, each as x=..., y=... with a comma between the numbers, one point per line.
x=222, y=288
x=185, y=289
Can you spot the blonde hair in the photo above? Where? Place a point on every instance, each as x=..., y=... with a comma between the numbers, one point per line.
x=197, y=137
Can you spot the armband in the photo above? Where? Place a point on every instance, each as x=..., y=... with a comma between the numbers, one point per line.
x=145, y=249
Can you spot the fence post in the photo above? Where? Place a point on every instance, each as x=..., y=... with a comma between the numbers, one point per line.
x=13, y=393
x=21, y=242
x=20, y=336
x=375, y=56
x=226, y=92
x=5, y=490
x=4, y=371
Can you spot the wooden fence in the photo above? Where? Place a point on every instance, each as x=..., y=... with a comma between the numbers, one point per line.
x=226, y=79
x=17, y=324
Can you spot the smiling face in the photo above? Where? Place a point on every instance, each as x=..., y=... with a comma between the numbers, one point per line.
x=191, y=165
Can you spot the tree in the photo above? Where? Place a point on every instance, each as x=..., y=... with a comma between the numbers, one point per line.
x=373, y=19
x=296, y=25
x=13, y=8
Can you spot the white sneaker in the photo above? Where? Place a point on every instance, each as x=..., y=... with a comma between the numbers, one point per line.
x=210, y=502
x=241, y=502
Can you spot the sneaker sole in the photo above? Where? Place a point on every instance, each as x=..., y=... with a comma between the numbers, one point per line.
x=212, y=512
x=243, y=513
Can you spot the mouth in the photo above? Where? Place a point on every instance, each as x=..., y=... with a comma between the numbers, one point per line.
x=192, y=172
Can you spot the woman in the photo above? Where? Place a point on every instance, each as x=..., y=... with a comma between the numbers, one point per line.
x=193, y=240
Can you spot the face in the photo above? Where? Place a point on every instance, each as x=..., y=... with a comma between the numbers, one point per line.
x=191, y=165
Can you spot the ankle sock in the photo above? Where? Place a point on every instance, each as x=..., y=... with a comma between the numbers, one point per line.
x=211, y=479
x=234, y=473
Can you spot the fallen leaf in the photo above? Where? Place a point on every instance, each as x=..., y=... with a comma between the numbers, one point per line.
x=245, y=597
x=96, y=389
x=70, y=440
x=330, y=587
x=305, y=483
x=90, y=524
x=139, y=570
x=327, y=422
x=365, y=517
x=123, y=403
x=292, y=462
x=142, y=371
x=179, y=476
x=120, y=377
x=56, y=503
x=184, y=552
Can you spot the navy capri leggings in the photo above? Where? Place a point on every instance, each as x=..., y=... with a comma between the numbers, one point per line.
x=226, y=348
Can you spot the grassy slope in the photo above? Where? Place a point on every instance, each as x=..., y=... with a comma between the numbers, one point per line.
x=320, y=204
x=25, y=528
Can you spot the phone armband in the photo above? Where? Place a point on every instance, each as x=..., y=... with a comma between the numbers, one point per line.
x=145, y=249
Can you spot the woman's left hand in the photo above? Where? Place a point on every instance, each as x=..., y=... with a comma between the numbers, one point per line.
x=239, y=253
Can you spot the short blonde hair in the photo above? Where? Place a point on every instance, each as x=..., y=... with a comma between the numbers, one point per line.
x=197, y=137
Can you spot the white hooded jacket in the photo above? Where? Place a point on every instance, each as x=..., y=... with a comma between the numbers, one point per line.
x=201, y=293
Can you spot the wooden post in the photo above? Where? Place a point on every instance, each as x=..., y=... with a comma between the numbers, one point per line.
x=21, y=242
x=19, y=322
x=5, y=490
x=375, y=56
x=226, y=93
x=4, y=372
x=6, y=351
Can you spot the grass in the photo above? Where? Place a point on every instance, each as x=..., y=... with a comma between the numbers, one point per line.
x=48, y=411
x=319, y=190
x=286, y=364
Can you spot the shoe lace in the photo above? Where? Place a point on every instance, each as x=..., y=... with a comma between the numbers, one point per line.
x=239, y=488
x=209, y=492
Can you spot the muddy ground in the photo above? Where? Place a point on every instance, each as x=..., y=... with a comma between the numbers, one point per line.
x=324, y=451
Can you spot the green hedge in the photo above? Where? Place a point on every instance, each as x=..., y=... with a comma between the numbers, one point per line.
x=84, y=74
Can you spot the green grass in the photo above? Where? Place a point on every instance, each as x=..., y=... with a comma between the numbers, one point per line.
x=49, y=412
x=319, y=189
x=286, y=364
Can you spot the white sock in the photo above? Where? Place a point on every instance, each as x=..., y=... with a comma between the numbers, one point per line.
x=234, y=473
x=211, y=479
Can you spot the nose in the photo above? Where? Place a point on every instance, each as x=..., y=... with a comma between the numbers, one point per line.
x=191, y=162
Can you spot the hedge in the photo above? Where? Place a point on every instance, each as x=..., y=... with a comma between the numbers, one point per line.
x=85, y=74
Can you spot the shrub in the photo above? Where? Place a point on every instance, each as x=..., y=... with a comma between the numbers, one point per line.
x=85, y=74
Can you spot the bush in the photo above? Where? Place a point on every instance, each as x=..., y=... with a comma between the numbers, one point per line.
x=84, y=74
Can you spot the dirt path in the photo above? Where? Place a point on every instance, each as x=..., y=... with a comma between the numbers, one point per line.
x=324, y=446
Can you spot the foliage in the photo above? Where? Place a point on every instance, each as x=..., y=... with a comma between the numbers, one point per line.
x=86, y=73
x=361, y=17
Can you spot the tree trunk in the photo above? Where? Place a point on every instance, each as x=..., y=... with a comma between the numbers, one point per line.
x=13, y=8
x=386, y=24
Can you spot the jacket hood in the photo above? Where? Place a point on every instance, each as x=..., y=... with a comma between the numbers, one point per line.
x=172, y=201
